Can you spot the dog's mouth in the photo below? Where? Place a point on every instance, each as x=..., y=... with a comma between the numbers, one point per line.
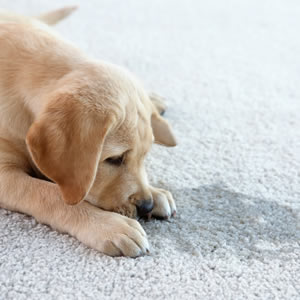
x=147, y=217
x=133, y=213
x=127, y=211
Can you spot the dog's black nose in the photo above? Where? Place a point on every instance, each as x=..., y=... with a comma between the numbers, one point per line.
x=144, y=207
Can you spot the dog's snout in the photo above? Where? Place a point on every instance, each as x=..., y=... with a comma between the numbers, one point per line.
x=144, y=207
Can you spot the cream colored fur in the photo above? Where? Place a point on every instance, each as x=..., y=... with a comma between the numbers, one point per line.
x=74, y=133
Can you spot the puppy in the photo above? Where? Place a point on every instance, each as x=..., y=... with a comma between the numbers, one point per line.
x=74, y=133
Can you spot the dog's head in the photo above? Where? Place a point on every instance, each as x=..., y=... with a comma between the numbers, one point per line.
x=92, y=136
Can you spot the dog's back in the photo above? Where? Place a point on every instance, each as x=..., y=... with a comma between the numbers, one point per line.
x=31, y=56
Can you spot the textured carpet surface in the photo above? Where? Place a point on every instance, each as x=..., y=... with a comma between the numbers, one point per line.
x=230, y=71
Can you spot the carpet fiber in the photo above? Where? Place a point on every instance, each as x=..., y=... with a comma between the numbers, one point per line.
x=229, y=70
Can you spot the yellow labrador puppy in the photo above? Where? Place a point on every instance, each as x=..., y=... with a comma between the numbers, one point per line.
x=74, y=133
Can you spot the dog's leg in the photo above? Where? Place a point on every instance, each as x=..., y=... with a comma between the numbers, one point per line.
x=164, y=204
x=158, y=102
x=107, y=232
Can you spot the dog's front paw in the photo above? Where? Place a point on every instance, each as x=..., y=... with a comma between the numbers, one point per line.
x=113, y=234
x=164, y=204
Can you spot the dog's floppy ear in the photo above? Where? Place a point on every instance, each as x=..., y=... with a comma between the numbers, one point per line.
x=162, y=131
x=65, y=143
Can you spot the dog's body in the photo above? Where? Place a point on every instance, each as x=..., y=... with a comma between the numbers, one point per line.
x=73, y=136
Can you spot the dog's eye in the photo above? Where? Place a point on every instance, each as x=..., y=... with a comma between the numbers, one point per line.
x=116, y=160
